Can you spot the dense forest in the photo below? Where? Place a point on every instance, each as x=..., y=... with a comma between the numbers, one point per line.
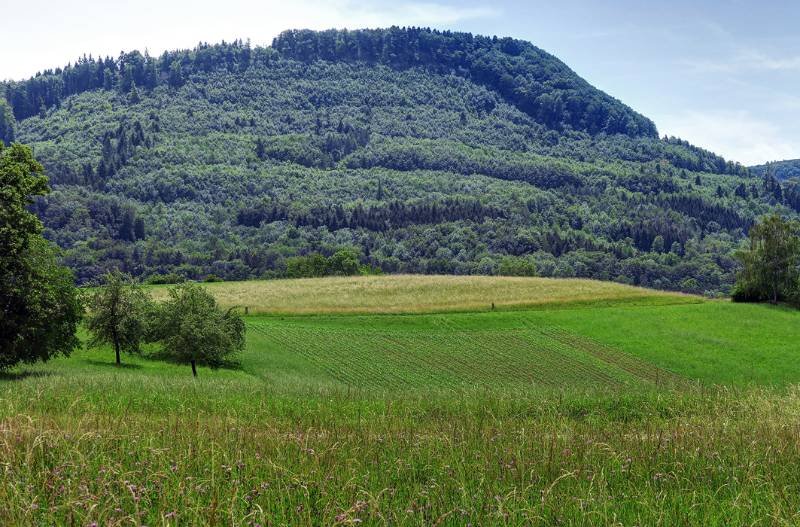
x=410, y=150
x=780, y=169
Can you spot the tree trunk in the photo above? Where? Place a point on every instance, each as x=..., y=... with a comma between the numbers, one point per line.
x=194, y=368
x=116, y=350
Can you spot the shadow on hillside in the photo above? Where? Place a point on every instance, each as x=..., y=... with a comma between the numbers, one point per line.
x=123, y=366
x=164, y=357
x=20, y=375
x=781, y=306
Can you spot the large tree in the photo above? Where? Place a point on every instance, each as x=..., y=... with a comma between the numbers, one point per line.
x=193, y=330
x=770, y=265
x=117, y=314
x=39, y=306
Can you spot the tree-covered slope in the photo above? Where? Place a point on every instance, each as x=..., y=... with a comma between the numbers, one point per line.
x=780, y=169
x=422, y=151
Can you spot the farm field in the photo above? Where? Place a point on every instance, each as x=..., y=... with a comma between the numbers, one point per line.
x=424, y=294
x=659, y=409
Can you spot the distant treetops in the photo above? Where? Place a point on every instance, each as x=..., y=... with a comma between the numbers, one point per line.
x=536, y=82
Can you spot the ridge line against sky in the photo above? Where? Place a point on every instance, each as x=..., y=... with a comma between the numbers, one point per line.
x=724, y=74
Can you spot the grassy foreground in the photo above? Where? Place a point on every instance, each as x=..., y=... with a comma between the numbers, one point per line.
x=606, y=411
x=111, y=450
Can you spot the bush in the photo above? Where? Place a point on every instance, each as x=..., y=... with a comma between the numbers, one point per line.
x=747, y=292
x=344, y=262
x=311, y=266
x=167, y=278
x=516, y=266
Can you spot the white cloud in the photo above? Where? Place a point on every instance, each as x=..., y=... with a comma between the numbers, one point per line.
x=735, y=135
x=744, y=61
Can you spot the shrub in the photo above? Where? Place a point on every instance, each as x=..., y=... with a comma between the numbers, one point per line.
x=167, y=278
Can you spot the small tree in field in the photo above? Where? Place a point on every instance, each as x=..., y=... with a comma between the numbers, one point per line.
x=193, y=330
x=118, y=314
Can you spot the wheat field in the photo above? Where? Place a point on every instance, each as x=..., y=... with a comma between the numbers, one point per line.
x=424, y=294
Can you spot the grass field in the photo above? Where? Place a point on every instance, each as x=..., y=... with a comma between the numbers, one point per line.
x=424, y=294
x=636, y=408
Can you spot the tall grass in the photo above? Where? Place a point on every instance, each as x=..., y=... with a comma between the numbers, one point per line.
x=423, y=294
x=112, y=450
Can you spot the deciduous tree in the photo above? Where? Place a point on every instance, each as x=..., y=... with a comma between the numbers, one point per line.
x=193, y=330
x=770, y=265
x=118, y=314
x=39, y=305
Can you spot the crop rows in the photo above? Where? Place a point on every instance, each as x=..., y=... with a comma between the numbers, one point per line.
x=624, y=361
x=451, y=357
x=551, y=360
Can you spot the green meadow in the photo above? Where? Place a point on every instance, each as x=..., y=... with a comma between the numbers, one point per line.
x=633, y=408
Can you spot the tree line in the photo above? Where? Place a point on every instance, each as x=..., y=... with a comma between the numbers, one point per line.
x=373, y=217
x=536, y=82
x=127, y=73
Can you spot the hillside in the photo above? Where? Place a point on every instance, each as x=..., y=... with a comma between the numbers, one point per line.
x=780, y=169
x=422, y=151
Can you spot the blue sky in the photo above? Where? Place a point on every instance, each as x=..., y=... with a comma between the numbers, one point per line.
x=724, y=74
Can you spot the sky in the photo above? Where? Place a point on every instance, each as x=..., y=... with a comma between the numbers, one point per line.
x=723, y=74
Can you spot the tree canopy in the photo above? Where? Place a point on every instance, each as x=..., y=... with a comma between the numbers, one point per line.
x=770, y=264
x=193, y=330
x=118, y=314
x=40, y=307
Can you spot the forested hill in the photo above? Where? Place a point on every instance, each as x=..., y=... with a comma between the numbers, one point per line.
x=530, y=79
x=409, y=150
x=780, y=169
